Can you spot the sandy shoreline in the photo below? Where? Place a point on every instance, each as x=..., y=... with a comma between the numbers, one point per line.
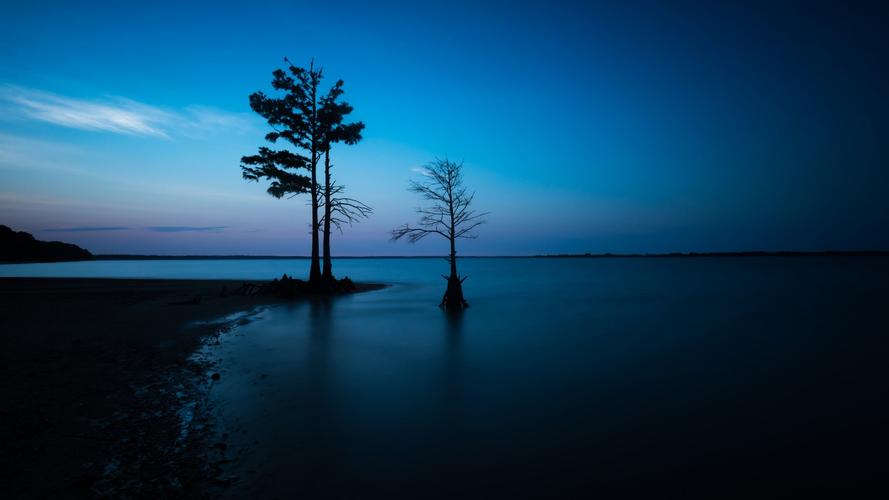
x=94, y=372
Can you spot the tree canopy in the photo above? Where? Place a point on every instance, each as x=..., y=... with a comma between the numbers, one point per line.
x=293, y=118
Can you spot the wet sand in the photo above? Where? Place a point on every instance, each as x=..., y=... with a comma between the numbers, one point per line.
x=100, y=396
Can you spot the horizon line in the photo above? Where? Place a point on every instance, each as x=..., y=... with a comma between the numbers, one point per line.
x=743, y=253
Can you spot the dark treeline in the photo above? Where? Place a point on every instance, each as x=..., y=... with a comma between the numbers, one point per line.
x=19, y=246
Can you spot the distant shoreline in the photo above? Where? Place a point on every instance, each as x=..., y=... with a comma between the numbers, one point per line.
x=830, y=253
x=671, y=255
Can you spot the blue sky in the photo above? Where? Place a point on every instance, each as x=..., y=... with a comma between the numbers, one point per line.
x=584, y=127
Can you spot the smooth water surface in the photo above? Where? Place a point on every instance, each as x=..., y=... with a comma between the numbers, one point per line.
x=604, y=375
x=595, y=375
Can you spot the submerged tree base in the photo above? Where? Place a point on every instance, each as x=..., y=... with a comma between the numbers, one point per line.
x=453, y=297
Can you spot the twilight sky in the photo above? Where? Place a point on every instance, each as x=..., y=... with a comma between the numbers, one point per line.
x=585, y=127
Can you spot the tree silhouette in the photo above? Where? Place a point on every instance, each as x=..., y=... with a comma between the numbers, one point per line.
x=293, y=117
x=449, y=215
x=338, y=210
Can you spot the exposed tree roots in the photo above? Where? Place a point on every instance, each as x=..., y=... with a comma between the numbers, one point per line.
x=453, y=297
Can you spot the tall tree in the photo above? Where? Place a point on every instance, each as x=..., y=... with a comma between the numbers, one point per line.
x=294, y=118
x=337, y=209
x=449, y=214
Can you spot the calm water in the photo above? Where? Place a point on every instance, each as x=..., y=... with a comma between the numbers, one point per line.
x=609, y=375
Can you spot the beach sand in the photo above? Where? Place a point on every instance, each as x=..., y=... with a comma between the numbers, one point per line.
x=99, y=395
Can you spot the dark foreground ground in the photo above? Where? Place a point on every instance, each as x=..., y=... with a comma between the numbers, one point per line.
x=99, y=396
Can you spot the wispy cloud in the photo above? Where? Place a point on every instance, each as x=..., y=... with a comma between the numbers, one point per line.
x=84, y=229
x=119, y=115
x=203, y=121
x=182, y=229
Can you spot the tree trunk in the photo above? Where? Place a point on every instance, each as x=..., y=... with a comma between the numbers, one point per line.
x=327, y=273
x=453, y=297
x=315, y=269
x=453, y=260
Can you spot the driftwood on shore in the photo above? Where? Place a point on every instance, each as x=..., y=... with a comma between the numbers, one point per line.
x=288, y=286
x=284, y=287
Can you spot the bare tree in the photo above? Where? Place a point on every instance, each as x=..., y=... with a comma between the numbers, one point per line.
x=343, y=210
x=449, y=214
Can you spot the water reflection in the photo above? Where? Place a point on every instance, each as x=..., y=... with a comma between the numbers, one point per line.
x=617, y=374
x=454, y=322
x=453, y=380
x=318, y=439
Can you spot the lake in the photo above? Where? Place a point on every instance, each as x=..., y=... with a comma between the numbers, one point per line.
x=680, y=375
